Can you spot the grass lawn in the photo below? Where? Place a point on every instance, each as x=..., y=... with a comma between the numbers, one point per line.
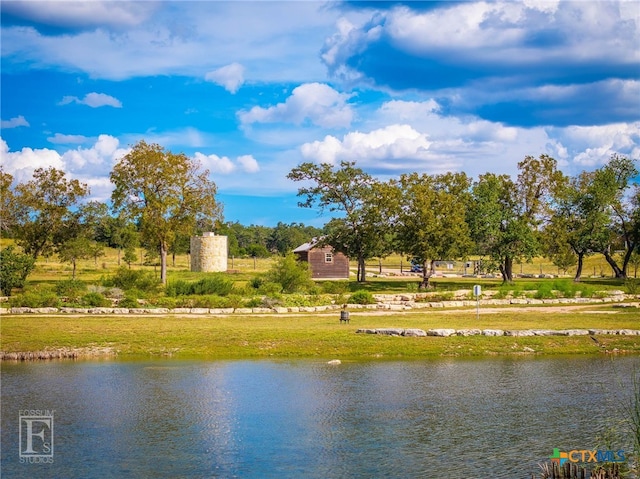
x=317, y=335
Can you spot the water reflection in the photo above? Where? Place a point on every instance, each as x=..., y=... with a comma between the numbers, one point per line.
x=445, y=418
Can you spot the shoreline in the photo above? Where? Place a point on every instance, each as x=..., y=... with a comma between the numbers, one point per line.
x=371, y=333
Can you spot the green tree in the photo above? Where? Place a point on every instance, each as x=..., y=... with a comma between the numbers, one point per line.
x=497, y=228
x=431, y=222
x=14, y=269
x=286, y=237
x=613, y=182
x=166, y=193
x=45, y=204
x=75, y=249
x=8, y=213
x=362, y=229
x=507, y=218
x=580, y=220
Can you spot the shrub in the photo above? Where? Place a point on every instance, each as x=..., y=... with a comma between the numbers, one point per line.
x=14, y=269
x=71, y=289
x=544, y=291
x=128, y=302
x=270, y=289
x=256, y=282
x=128, y=279
x=95, y=300
x=335, y=287
x=632, y=286
x=362, y=297
x=216, y=284
x=38, y=297
x=178, y=288
x=291, y=274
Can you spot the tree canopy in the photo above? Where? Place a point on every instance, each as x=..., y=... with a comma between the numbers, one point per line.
x=45, y=210
x=166, y=193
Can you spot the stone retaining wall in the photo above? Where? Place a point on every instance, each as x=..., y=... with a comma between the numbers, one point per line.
x=386, y=303
x=444, y=333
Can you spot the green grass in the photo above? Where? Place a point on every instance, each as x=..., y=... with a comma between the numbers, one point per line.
x=313, y=335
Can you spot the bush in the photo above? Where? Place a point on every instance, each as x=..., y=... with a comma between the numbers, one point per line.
x=544, y=291
x=38, y=297
x=128, y=279
x=71, y=289
x=335, y=287
x=95, y=300
x=632, y=286
x=362, y=297
x=128, y=302
x=291, y=274
x=216, y=284
x=14, y=269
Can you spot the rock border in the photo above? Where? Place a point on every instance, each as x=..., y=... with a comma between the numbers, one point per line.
x=445, y=333
x=405, y=302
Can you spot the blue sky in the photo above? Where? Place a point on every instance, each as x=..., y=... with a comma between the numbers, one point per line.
x=252, y=89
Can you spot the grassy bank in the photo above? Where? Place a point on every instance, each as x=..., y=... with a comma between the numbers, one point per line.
x=317, y=335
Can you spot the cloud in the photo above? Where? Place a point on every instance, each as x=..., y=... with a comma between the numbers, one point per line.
x=61, y=139
x=93, y=162
x=480, y=57
x=21, y=164
x=391, y=149
x=317, y=103
x=224, y=165
x=14, y=122
x=275, y=41
x=81, y=14
x=248, y=164
x=592, y=146
x=231, y=77
x=94, y=100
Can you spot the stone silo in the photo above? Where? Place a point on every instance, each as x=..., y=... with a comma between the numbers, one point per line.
x=209, y=253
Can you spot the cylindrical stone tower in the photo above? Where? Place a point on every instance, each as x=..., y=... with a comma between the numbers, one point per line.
x=209, y=253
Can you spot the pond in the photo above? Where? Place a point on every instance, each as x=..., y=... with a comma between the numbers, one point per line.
x=496, y=417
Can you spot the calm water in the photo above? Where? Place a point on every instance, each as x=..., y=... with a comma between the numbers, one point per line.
x=302, y=419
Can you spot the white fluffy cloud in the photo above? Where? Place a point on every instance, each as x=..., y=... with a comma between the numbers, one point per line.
x=148, y=38
x=21, y=164
x=224, y=165
x=231, y=77
x=317, y=103
x=248, y=164
x=592, y=146
x=392, y=148
x=14, y=122
x=89, y=164
x=62, y=139
x=83, y=14
x=93, y=99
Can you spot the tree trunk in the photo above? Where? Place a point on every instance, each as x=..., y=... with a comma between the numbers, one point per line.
x=576, y=279
x=627, y=258
x=163, y=263
x=506, y=268
x=426, y=274
x=73, y=272
x=362, y=275
x=618, y=273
